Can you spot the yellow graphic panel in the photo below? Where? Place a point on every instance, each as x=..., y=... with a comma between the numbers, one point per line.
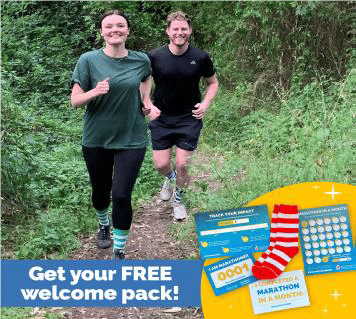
x=331, y=295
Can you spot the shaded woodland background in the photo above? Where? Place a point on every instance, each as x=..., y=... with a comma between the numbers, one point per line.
x=284, y=113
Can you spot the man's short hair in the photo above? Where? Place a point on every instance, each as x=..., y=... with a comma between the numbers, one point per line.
x=177, y=15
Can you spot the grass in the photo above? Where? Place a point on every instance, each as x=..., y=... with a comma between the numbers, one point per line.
x=306, y=138
x=252, y=149
x=44, y=171
x=28, y=313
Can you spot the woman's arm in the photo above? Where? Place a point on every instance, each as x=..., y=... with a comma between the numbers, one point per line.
x=80, y=98
x=149, y=109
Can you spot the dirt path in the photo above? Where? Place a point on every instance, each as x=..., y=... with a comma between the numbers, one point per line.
x=149, y=239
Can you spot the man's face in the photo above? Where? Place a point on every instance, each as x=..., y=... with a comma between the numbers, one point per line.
x=179, y=32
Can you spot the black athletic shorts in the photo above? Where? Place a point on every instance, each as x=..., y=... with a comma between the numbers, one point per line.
x=182, y=131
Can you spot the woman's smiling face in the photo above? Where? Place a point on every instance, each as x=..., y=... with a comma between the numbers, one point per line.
x=114, y=29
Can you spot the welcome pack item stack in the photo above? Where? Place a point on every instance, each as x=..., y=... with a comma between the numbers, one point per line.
x=326, y=243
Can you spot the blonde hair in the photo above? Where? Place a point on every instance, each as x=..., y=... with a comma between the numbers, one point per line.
x=177, y=15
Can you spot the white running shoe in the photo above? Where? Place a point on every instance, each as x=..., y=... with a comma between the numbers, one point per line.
x=179, y=210
x=167, y=189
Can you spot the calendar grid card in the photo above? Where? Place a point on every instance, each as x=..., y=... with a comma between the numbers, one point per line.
x=231, y=273
x=326, y=240
x=233, y=232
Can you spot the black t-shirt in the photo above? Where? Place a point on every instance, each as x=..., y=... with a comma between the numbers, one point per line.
x=177, y=78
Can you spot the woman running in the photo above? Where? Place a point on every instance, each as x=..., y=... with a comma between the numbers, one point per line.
x=114, y=140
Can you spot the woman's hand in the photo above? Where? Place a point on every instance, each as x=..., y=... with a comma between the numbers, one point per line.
x=80, y=98
x=102, y=87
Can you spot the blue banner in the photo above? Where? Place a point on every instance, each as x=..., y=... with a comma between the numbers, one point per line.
x=100, y=283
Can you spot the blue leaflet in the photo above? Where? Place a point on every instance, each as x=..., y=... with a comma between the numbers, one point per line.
x=326, y=240
x=230, y=274
x=233, y=232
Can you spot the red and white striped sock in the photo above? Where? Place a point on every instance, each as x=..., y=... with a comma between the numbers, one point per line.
x=272, y=242
x=286, y=244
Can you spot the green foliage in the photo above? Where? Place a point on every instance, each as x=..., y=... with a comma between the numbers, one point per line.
x=36, y=45
x=16, y=158
x=27, y=313
x=283, y=115
x=268, y=46
x=309, y=139
x=53, y=235
x=42, y=165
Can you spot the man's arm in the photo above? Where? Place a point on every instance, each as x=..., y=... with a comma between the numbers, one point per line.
x=149, y=109
x=212, y=86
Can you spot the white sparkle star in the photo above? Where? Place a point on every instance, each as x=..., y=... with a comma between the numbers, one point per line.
x=335, y=294
x=316, y=186
x=325, y=310
x=332, y=192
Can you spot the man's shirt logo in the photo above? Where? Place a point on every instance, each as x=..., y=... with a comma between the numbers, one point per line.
x=193, y=62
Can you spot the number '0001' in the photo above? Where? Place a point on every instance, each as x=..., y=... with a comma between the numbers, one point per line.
x=232, y=272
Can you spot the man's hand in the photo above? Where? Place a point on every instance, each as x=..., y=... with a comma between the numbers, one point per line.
x=199, y=110
x=150, y=110
x=145, y=111
x=212, y=86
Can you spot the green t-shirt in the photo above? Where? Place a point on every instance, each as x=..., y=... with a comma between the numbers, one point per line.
x=113, y=120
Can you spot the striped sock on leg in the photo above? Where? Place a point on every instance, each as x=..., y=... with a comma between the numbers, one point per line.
x=171, y=175
x=103, y=216
x=120, y=237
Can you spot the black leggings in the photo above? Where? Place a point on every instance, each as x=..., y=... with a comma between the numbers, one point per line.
x=114, y=171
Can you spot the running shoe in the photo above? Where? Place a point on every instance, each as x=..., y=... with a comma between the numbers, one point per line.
x=118, y=254
x=167, y=189
x=103, y=237
x=179, y=211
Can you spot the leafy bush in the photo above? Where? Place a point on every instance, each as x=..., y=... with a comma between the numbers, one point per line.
x=309, y=139
x=283, y=115
x=42, y=164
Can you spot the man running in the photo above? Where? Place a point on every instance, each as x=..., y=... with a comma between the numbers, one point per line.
x=177, y=113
